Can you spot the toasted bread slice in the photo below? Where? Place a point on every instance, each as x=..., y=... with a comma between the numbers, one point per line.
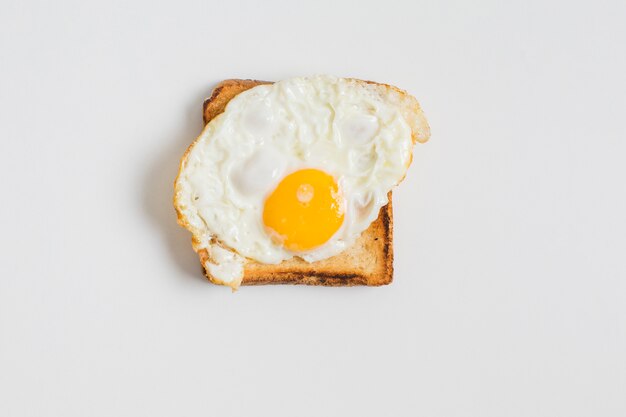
x=369, y=261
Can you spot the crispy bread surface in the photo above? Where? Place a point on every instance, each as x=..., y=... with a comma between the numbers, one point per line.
x=369, y=261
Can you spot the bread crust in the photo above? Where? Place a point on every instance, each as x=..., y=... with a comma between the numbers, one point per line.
x=369, y=261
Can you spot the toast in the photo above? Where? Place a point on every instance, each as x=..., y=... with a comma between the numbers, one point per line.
x=369, y=261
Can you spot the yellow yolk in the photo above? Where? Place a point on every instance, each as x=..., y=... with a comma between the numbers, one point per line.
x=305, y=210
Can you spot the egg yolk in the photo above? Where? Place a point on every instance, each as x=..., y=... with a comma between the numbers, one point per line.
x=305, y=210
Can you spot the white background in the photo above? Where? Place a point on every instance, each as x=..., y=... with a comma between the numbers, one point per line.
x=509, y=296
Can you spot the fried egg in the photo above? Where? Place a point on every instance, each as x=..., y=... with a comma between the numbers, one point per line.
x=299, y=168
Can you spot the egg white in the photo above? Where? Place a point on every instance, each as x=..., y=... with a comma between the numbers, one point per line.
x=357, y=132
